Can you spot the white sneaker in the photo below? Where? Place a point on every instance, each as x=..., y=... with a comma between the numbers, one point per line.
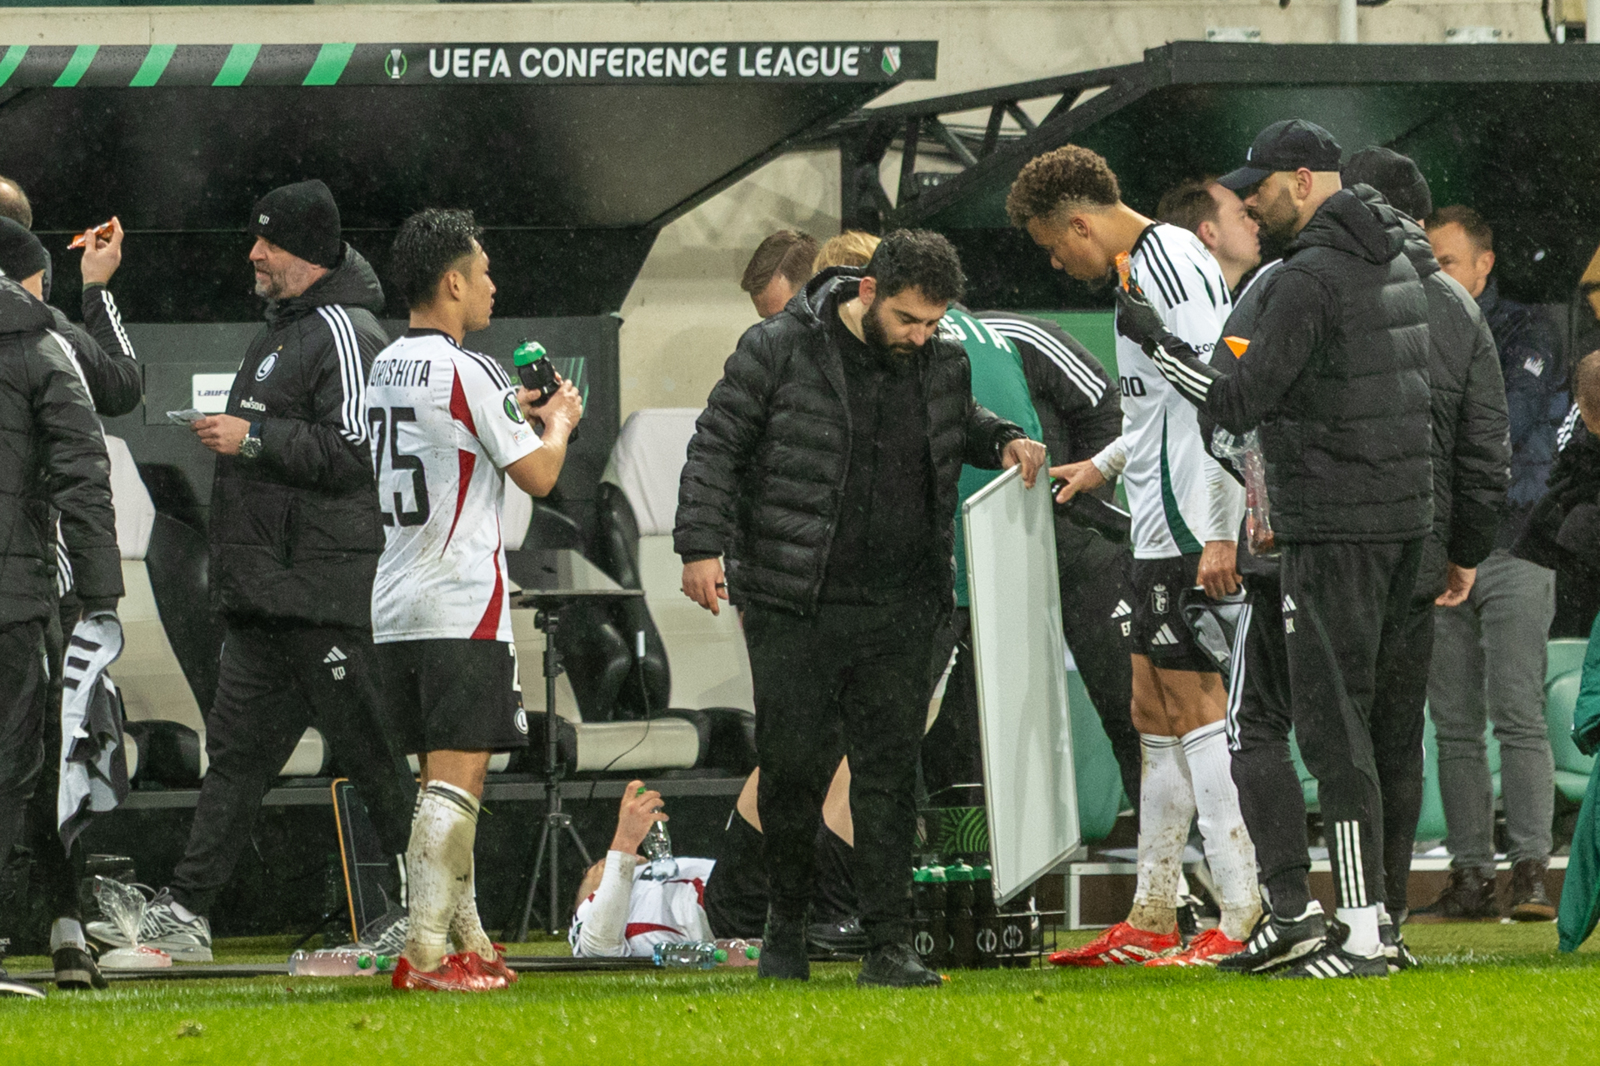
x=185, y=941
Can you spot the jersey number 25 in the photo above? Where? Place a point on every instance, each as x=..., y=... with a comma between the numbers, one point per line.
x=385, y=424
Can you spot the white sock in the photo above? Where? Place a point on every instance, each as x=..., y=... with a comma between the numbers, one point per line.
x=67, y=932
x=184, y=913
x=1228, y=848
x=1363, y=923
x=439, y=868
x=1166, y=806
x=466, y=928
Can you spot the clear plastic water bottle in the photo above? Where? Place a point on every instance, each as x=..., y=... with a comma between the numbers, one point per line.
x=657, y=847
x=338, y=962
x=740, y=952
x=699, y=955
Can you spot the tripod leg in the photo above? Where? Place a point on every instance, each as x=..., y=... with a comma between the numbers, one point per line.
x=533, y=884
x=555, y=875
x=578, y=842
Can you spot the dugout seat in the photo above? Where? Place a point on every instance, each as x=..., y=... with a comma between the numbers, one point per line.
x=168, y=669
x=597, y=660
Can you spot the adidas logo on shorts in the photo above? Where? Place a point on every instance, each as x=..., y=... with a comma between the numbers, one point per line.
x=334, y=655
x=1164, y=636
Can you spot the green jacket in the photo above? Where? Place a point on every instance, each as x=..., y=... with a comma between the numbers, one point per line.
x=1580, y=892
x=998, y=385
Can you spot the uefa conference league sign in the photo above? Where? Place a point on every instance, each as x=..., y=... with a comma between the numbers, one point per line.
x=586, y=63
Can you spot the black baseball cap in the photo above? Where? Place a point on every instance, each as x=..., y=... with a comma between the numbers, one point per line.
x=1287, y=145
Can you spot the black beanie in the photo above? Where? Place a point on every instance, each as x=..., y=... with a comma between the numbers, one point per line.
x=1394, y=175
x=302, y=219
x=21, y=254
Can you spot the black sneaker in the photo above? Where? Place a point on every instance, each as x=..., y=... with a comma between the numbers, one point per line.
x=22, y=989
x=1528, y=900
x=837, y=938
x=75, y=969
x=1276, y=942
x=783, y=950
x=1336, y=962
x=1394, y=947
x=1469, y=897
x=896, y=966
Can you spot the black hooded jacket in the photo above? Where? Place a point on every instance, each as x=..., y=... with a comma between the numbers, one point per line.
x=1335, y=373
x=766, y=467
x=52, y=461
x=296, y=532
x=1471, y=441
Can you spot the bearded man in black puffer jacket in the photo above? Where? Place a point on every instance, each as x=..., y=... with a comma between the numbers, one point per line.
x=827, y=460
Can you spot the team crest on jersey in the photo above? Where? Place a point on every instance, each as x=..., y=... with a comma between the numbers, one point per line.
x=1158, y=599
x=520, y=719
x=266, y=366
x=513, y=409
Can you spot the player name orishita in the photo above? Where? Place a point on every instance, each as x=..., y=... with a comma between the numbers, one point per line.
x=402, y=372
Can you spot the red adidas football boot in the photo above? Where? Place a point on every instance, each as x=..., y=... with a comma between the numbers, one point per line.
x=1204, y=950
x=455, y=974
x=1121, y=945
x=496, y=967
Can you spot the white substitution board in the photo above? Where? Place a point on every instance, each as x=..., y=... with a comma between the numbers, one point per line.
x=1020, y=659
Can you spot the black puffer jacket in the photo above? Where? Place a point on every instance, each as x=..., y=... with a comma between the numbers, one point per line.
x=1471, y=441
x=766, y=466
x=1563, y=530
x=52, y=460
x=296, y=532
x=1336, y=375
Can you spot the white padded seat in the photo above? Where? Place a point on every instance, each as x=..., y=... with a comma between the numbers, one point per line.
x=621, y=747
x=151, y=681
x=706, y=652
x=309, y=758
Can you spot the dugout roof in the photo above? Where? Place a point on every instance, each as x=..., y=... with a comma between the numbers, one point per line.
x=573, y=155
x=1507, y=129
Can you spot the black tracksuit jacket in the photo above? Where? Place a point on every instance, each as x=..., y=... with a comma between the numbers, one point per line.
x=52, y=460
x=1336, y=375
x=296, y=532
x=766, y=467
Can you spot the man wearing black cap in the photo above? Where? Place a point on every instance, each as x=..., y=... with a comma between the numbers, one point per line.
x=1335, y=374
x=295, y=539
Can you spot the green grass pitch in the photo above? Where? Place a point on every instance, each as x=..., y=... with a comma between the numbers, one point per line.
x=1488, y=993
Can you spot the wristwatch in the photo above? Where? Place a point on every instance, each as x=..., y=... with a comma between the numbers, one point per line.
x=250, y=447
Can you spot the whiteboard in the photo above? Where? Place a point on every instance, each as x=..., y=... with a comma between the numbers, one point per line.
x=1019, y=657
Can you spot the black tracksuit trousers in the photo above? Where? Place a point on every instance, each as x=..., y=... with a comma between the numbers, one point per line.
x=24, y=684
x=1337, y=649
x=1094, y=579
x=844, y=680
x=275, y=680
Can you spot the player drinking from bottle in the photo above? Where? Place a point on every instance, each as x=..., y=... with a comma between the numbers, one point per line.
x=448, y=427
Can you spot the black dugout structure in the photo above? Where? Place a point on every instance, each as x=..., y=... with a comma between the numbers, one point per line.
x=572, y=155
x=1504, y=128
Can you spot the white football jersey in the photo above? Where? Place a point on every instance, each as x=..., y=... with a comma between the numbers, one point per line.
x=445, y=424
x=659, y=912
x=1169, y=478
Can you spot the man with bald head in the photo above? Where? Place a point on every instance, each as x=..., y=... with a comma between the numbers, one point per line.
x=1334, y=371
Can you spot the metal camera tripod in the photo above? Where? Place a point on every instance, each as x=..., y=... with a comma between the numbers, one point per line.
x=556, y=821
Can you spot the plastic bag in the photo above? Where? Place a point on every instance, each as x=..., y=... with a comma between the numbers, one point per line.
x=1244, y=455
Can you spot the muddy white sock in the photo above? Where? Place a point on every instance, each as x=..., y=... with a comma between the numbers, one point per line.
x=1229, y=852
x=466, y=929
x=67, y=932
x=1166, y=806
x=1363, y=923
x=439, y=868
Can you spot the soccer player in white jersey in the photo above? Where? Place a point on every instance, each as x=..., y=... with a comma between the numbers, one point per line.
x=448, y=428
x=1186, y=512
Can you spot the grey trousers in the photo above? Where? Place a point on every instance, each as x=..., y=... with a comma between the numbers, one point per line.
x=1489, y=666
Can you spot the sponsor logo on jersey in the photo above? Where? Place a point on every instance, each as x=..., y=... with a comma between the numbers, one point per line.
x=513, y=409
x=252, y=405
x=520, y=719
x=266, y=364
x=1159, y=601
